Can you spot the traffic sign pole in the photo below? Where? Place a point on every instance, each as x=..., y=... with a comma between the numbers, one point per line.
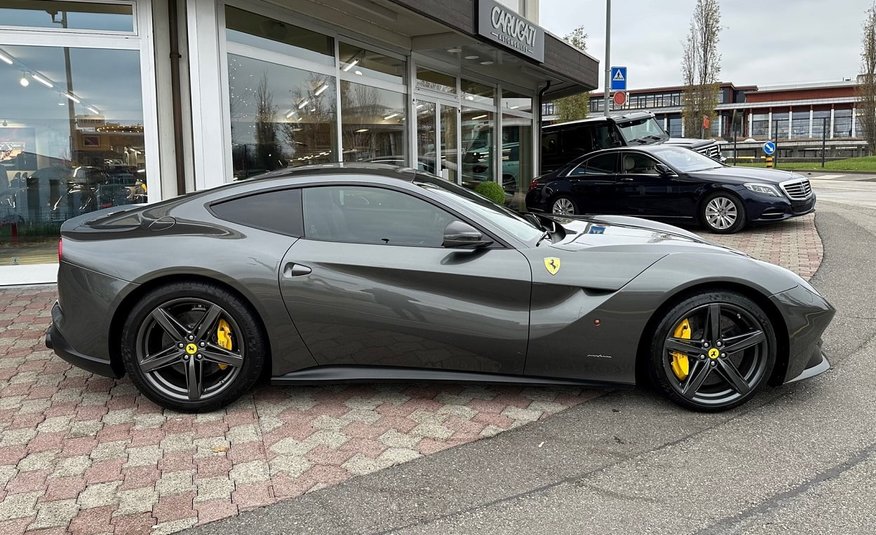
x=607, y=54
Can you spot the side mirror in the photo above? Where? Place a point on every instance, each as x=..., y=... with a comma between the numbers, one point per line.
x=664, y=170
x=459, y=234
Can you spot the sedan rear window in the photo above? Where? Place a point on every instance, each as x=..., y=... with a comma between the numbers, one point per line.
x=275, y=211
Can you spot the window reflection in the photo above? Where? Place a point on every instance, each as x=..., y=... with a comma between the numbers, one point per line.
x=372, y=124
x=477, y=147
x=280, y=116
x=363, y=62
x=426, y=141
x=516, y=159
x=270, y=34
x=70, y=143
x=436, y=81
x=67, y=15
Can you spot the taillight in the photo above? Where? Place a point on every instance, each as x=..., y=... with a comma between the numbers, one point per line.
x=534, y=184
x=60, y=249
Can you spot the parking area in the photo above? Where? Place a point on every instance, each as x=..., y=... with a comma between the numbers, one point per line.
x=87, y=454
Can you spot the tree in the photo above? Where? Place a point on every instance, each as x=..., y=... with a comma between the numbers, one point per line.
x=867, y=80
x=574, y=107
x=268, y=153
x=700, y=67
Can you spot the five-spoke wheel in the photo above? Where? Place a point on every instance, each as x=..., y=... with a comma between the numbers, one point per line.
x=192, y=347
x=713, y=351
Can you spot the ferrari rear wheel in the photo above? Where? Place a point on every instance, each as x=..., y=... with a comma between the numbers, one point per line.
x=713, y=351
x=192, y=347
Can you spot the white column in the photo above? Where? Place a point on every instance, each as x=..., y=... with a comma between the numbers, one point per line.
x=790, y=124
x=751, y=123
x=810, y=120
x=831, y=121
x=720, y=124
x=770, y=124
x=212, y=151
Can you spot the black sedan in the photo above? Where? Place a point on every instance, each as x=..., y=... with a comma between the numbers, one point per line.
x=673, y=184
x=369, y=273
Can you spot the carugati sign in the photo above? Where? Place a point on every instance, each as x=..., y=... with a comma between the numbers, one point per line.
x=506, y=27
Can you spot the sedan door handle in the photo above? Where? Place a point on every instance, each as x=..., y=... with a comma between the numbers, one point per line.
x=295, y=270
x=627, y=179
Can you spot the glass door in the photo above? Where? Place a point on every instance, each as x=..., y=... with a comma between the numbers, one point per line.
x=437, y=138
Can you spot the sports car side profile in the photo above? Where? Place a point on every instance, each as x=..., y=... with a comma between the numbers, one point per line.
x=374, y=273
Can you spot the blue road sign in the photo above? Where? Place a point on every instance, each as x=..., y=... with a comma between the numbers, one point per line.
x=769, y=148
x=618, y=78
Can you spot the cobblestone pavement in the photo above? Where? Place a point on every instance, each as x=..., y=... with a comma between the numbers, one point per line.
x=86, y=454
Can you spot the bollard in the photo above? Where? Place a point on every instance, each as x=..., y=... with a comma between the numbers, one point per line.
x=769, y=161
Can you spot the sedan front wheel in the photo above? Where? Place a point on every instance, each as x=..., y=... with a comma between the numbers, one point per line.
x=723, y=213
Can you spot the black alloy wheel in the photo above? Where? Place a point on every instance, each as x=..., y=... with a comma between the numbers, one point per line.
x=713, y=351
x=192, y=347
x=723, y=213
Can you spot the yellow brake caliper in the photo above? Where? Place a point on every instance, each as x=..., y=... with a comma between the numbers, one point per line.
x=680, y=364
x=223, y=337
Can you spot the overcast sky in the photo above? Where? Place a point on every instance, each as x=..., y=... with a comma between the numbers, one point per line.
x=761, y=42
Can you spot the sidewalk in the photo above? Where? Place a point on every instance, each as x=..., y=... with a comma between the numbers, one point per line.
x=86, y=454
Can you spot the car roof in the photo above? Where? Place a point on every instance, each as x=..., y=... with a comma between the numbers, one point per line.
x=631, y=116
x=348, y=168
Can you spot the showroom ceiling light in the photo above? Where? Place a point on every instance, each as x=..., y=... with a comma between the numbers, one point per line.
x=24, y=81
x=291, y=113
x=5, y=58
x=42, y=79
x=93, y=110
x=361, y=130
x=350, y=65
x=484, y=116
x=390, y=116
x=72, y=97
x=304, y=102
x=454, y=50
x=321, y=90
x=472, y=57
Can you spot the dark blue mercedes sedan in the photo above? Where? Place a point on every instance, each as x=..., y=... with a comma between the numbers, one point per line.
x=674, y=184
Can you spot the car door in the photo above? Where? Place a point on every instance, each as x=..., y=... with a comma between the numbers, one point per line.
x=371, y=285
x=642, y=190
x=593, y=184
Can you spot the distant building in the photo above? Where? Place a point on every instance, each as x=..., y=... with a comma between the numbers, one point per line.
x=795, y=115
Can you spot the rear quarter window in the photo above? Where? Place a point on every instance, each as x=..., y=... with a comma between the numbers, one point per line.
x=275, y=211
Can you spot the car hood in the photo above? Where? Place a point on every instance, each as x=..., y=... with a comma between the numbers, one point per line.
x=622, y=231
x=742, y=175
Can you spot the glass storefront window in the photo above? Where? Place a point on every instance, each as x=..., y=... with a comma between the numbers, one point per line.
x=280, y=116
x=67, y=15
x=436, y=81
x=363, y=62
x=478, y=92
x=760, y=125
x=372, y=124
x=780, y=125
x=449, y=145
x=256, y=30
x=516, y=159
x=478, y=129
x=800, y=126
x=71, y=142
x=426, y=145
x=820, y=123
x=517, y=102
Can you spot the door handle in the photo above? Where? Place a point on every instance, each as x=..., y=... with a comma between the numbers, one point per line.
x=295, y=270
x=627, y=179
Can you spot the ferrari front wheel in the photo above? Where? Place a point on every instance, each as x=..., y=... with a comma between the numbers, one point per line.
x=192, y=347
x=713, y=351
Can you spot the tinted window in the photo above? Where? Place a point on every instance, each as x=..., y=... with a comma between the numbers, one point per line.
x=275, y=211
x=636, y=163
x=377, y=216
x=603, y=164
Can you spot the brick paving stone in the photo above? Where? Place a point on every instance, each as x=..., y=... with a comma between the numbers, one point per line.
x=93, y=453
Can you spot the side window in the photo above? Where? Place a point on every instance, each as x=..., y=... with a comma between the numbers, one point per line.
x=275, y=211
x=370, y=215
x=604, y=164
x=636, y=163
x=602, y=138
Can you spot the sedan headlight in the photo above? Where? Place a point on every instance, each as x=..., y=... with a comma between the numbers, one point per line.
x=766, y=189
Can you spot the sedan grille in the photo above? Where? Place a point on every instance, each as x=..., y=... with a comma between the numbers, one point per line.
x=797, y=190
x=712, y=151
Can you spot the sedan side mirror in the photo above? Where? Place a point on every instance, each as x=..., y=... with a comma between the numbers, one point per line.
x=664, y=170
x=460, y=234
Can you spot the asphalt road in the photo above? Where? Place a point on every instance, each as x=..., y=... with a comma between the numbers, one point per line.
x=797, y=459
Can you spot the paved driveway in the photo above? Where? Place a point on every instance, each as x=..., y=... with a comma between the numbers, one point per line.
x=86, y=454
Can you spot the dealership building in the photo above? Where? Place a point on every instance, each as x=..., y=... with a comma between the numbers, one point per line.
x=109, y=102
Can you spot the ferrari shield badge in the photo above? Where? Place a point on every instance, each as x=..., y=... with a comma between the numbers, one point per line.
x=552, y=264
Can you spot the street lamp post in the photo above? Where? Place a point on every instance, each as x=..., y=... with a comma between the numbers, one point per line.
x=607, y=54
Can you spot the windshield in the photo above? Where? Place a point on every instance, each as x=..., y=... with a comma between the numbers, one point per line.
x=642, y=132
x=498, y=215
x=685, y=160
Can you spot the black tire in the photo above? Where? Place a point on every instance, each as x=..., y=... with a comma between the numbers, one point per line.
x=219, y=375
x=564, y=205
x=722, y=213
x=711, y=384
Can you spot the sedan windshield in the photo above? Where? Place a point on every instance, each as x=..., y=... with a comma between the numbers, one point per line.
x=685, y=160
x=498, y=215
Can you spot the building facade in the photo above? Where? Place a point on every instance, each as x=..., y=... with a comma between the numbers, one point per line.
x=800, y=117
x=109, y=102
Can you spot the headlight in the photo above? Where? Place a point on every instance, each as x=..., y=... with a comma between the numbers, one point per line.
x=766, y=189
